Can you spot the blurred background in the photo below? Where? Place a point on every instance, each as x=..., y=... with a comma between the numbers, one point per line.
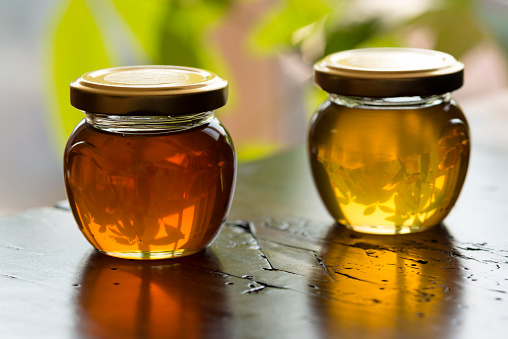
x=265, y=48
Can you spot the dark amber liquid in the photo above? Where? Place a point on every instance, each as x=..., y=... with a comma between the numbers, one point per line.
x=146, y=196
x=389, y=170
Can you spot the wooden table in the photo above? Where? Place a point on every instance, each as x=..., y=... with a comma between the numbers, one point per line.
x=280, y=268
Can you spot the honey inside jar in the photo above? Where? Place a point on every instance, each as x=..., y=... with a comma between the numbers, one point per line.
x=123, y=188
x=150, y=172
x=401, y=171
x=389, y=149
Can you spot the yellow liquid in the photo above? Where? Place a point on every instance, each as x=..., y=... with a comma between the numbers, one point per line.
x=389, y=171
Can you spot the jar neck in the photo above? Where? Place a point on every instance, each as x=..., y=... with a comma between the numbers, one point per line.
x=147, y=124
x=390, y=102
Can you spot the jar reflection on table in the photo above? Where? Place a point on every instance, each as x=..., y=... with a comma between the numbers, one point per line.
x=388, y=287
x=389, y=149
x=136, y=299
x=155, y=179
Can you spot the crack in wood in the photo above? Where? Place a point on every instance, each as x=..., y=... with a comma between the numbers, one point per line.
x=284, y=271
x=325, y=267
x=228, y=274
x=351, y=277
x=248, y=227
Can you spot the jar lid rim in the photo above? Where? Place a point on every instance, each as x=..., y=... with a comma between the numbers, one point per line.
x=149, y=90
x=389, y=71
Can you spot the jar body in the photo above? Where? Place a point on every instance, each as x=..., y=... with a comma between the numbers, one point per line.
x=389, y=165
x=158, y=191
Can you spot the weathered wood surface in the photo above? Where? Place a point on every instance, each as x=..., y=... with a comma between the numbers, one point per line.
x=280, y=268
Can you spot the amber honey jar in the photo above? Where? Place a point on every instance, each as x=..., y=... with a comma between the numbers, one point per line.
x=150, y=171
x=389, y=148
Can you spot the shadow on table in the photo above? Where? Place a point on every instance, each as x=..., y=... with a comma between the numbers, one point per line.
x=390, y=286
x=121, y=298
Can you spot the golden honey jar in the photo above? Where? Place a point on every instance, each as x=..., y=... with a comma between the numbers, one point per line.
x=150, y=172
x=389, y=148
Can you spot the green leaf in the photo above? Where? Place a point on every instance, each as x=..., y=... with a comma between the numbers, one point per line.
x=350, y=36
x=314, y=96
x=455, y=27
x=76, y=48
x=391, y=38
x=179, y=49
x=251, y=151
x=185, y=37
x=276, y=30
x=144, y=19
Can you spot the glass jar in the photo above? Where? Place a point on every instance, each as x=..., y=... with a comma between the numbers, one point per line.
x=389, y=148
x=150, y=172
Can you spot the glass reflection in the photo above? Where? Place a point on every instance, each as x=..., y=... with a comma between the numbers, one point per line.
x=121, y=298
x=389, y=286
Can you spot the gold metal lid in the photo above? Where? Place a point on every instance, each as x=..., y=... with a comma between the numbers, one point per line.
x=149, y=90
x=389, y=72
